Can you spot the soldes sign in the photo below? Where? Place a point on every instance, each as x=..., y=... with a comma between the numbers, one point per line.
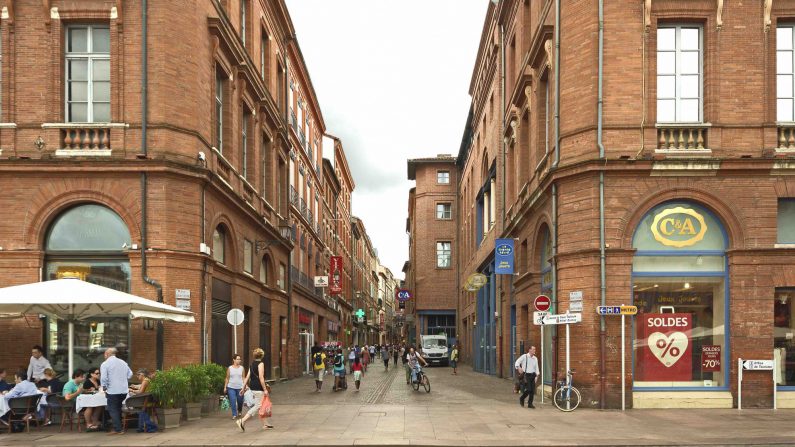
x=666, y=351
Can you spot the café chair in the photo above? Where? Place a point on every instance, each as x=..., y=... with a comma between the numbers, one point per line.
x=68, y=413
x=134, y=405
x=23, y=409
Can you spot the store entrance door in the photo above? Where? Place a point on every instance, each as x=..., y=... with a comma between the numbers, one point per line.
x=307, y=341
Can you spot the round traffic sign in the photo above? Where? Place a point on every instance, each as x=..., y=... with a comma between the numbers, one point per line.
x=542, y=303
x=235, y=317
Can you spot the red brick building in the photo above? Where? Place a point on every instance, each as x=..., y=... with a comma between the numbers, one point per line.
x=433, y=246
x=648, y=164
x=190, y=173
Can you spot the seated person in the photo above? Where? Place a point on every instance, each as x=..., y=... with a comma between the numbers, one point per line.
x=50, y=384
x=23, y=388
x=4, y=386
x=74, y=387
x=93, y=414
x=143, y=376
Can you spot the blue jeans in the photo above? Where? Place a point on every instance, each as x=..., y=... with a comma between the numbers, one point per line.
x=235, y=400
x=414, y=372
x=114, y=408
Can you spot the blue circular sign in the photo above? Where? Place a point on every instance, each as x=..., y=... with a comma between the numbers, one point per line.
x=504, y=250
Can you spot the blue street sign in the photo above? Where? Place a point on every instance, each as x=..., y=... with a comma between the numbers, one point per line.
x=503, y=256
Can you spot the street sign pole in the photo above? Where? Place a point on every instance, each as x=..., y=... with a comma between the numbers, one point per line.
x=623, y=364
x=568, y=403
x=543, y=359
x=739, y=383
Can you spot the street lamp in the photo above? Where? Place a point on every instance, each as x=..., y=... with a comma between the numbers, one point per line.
x=284, y=231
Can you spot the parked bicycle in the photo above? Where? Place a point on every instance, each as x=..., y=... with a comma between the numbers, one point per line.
x=421, y=379
x=567, y=398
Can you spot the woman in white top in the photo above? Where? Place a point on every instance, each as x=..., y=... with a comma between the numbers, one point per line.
x=234, y=384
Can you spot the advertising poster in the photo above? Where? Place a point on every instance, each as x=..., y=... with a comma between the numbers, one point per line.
x=335, y=275
x=665, y=353
x=503, y=256
x=710, y=358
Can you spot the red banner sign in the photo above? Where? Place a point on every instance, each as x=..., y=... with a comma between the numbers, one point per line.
x=710, y=358
x=335, y=275
x=665, y=351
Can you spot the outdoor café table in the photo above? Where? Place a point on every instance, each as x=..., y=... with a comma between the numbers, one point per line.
x=90, y=400
x=4, y=403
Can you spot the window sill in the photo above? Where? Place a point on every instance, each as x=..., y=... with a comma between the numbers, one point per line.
x=82, y=152
x=784, y=245
x=8, y=125
x=84, y=125
x=685, y=153
x=678, y=125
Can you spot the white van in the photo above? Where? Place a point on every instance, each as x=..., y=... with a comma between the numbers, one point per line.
x=434, y=349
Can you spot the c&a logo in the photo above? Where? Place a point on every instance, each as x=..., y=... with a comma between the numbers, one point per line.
x=679, y=227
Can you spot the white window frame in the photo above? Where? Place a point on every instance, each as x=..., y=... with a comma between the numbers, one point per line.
x=243, y=20
x=263, y=54
x=444, y=251
x=219, y=111
x=444, y=211
x=785, y=47
x=678, y=75
x=89, y=56
x=244, y=142
x=248, y=256
x=441, y=176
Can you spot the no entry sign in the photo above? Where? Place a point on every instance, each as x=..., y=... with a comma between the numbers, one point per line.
x=542, y=303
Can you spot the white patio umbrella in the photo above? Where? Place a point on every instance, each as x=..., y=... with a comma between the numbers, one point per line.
x=75, y=300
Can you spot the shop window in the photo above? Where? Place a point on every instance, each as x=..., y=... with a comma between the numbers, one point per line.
x=680, y=287
x=786, y=221
x=784, y=336
x=88, y=242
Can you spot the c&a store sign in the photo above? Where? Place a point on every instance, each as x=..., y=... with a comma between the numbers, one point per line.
x=679, y=227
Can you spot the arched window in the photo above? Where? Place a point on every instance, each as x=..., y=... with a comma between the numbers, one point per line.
x=264, y=269
x=219, y=244
x=88, y=242
x=679, y=283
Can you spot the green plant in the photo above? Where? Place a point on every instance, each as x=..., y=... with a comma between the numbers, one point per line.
x=199, y=382
x=170, y=387
x=216, y=375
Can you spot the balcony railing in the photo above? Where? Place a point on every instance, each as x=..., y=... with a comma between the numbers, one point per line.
x=90, y=138
x=293, y=120
x=786, y=136
x=682, y=137
x=302, y=208
x=293, y=196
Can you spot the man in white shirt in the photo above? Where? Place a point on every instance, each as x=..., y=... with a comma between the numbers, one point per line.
x=114, y=375
x=527, y=367
x=37, y=364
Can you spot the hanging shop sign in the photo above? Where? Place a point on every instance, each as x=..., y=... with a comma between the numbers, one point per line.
x=679, y=227
x=503, y=257
x=665, y=348
x=321, y=281
x=403, y=295
x=710, y=358
x=475, y=281
x=335, y=275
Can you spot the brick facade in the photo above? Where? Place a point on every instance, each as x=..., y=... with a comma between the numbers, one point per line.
x=736, y=169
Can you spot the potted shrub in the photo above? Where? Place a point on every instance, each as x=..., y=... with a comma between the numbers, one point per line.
x=170, y=388
x=216, y=375
x=198, y=390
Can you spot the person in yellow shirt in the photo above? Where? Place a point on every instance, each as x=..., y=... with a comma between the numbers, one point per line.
x=319, y=364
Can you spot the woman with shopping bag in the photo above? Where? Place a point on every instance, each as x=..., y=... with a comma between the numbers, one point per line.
x=262, y=403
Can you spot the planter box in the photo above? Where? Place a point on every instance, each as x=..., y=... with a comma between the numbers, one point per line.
x=168, y=417
x=193, y=411
x=209, y=405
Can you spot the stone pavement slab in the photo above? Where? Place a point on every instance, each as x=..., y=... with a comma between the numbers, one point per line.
x=463, y=410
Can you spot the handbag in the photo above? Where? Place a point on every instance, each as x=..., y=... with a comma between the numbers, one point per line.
x=225, y=403
x=265, y=408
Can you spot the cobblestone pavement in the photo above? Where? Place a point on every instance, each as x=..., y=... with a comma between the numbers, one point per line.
x=468, y=409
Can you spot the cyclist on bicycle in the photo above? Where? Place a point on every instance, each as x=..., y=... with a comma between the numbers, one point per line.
x=414, y=359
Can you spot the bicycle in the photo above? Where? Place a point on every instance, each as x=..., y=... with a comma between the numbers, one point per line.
x=423, y=380
x=567, y=398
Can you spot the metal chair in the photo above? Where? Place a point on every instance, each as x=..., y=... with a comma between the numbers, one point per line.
x=133, y=406
x=23, y=409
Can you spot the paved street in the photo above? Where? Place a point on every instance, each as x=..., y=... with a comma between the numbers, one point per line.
x=469, y=409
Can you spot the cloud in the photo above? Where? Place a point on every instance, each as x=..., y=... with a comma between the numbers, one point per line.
x=392, y=78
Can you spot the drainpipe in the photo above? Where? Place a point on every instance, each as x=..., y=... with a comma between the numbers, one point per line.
x=144, y=117
x=205, y=357
x=502, y=226
x=288, y=273
x=554, y=235
x=557, y=84
x=602, y=268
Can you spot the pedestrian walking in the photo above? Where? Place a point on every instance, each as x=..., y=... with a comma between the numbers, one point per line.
x=255, y=381
x=114, y=375
x=395, y=353
x=319, y=362
x=526, y=367
x=366, y=357
x=454, y=359
x=233, y=385
x=339, y=371
x=357, y=372
x=352, y=357
x=385, y=358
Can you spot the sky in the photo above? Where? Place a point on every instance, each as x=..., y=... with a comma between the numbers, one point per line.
x=392, y=78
